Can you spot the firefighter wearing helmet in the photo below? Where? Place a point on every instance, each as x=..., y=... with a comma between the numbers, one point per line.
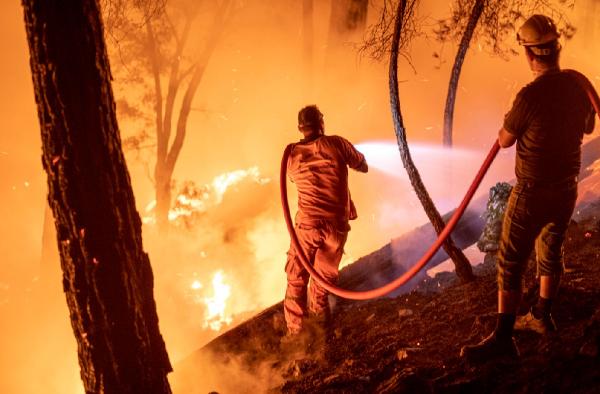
x=318, y=165
x=547, y=121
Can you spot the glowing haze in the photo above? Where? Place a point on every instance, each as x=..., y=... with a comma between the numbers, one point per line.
x=223, y=260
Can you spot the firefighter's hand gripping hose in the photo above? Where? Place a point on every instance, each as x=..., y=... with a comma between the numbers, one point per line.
x=383, y=290
x=380, y=291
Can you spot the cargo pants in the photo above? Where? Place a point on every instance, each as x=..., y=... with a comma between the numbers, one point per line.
x=536, y=216
x=323, y=244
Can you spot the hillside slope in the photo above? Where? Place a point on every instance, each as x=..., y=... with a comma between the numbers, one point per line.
x=411, y=343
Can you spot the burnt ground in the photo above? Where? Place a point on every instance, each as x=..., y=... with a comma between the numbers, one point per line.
x=411, y=343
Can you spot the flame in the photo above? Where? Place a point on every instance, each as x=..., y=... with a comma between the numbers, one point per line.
x=215, y=316
x=194, y=199
x=222, y=182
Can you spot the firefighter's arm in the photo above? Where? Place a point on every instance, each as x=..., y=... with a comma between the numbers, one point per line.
x=505, y=138
x=353, y=157
x=364, y=167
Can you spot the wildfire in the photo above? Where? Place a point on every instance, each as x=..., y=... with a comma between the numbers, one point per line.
x=192, y=199
x=222, y=182
x=215, y=316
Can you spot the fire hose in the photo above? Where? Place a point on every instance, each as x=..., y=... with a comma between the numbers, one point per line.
x=443, y=235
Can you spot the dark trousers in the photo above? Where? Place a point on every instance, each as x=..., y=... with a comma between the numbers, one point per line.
x=536, y=216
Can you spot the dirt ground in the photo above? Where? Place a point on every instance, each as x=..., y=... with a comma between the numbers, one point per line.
x=411, y=343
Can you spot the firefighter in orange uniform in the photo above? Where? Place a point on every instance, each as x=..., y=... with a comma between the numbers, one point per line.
x=318, y=165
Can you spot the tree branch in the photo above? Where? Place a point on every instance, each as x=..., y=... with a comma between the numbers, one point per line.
x=161, y=144
x=216, y=31
x=175, y=80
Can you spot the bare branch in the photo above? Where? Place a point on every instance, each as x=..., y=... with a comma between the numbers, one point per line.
x=378, y=40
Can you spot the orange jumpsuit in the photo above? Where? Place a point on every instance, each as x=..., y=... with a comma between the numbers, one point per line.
x=319, y=168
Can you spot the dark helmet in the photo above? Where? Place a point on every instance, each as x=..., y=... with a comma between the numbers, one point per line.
x=310, y=117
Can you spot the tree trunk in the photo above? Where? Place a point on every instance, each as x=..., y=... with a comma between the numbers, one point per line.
x=107, y=278
x=162, y=180
x=463, y=267
x=456, y=69
x=307, y=46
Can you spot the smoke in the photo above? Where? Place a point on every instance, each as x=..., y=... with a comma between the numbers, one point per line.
x=229, y=376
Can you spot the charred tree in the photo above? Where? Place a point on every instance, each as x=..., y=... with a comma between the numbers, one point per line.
x=456, y=69
x=107, y=277
x=463, y=267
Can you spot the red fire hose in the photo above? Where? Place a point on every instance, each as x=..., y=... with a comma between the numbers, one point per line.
x=405, y=277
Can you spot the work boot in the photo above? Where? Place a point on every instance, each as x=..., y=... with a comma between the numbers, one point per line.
x=490, y=348
x=529, y=322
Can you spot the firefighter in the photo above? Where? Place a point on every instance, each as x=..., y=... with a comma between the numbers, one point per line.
x=547, y=121
x=318, y=165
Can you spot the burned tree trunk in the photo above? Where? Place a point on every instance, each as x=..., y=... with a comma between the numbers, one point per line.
x=456, y=69
x=107, y=276
x=463, y=267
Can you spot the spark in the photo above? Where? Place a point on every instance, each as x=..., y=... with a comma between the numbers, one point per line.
x=196, y=285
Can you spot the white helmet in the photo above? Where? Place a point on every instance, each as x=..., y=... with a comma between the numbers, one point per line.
x=538, y=30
